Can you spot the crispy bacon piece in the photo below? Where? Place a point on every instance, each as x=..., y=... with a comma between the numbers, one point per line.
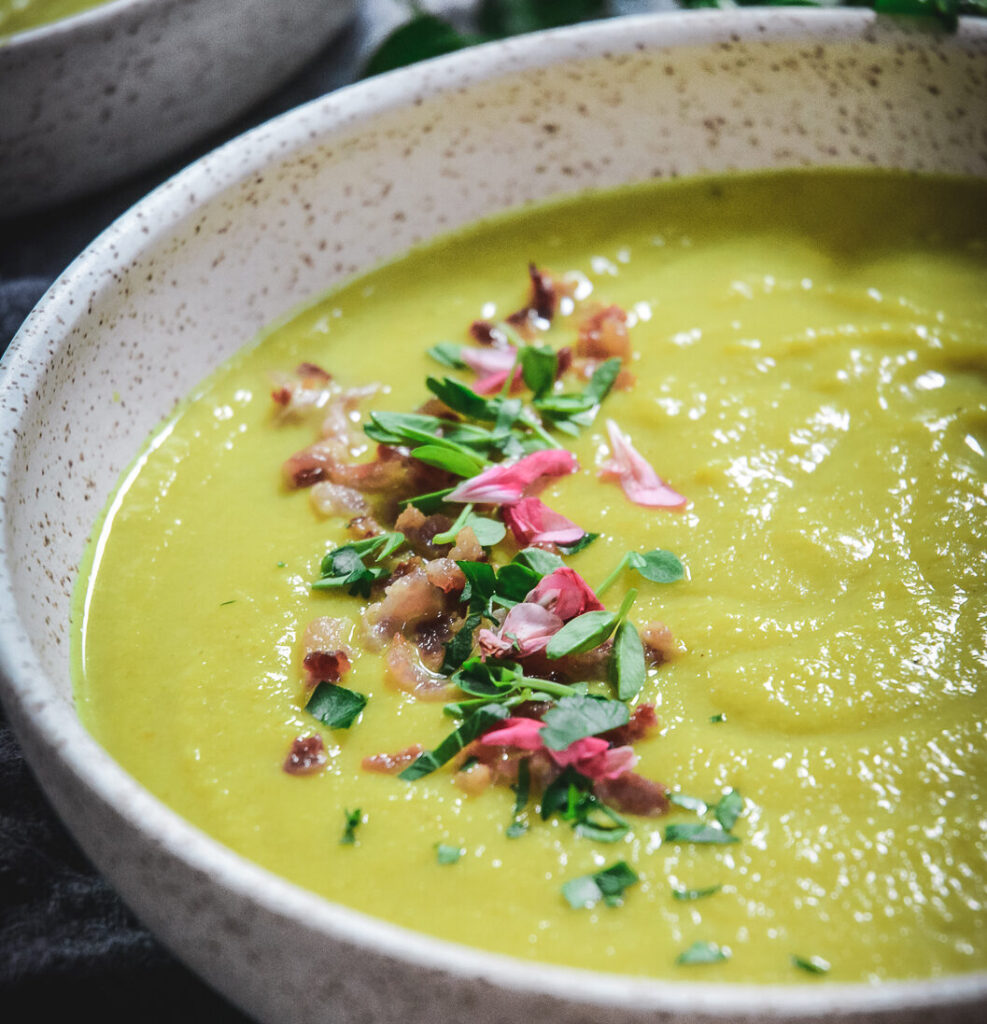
x=331, y=499
x=391, y=764
x=446, y=575
x=642, y=723
x=407, y=602
x=327, y=634
x=467, y=548
x=543, y=302
x=305, y=391
x=603, y=334
x=420, y=529
x=325, y=666
x=363, y=527
x=307, y=756
x=631, y=793
x=407, y=672
x=485, y=333
x=659, y=643
x=474, y=780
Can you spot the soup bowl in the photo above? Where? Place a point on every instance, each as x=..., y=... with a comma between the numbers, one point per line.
x=102, y=94
x=273, y=219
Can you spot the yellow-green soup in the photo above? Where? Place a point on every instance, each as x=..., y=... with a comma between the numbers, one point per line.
x=21, y=15
x=811, y=364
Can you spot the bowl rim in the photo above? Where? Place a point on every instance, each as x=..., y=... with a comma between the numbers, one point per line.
x=55, y=727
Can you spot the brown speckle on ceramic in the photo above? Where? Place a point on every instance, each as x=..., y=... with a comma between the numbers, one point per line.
x=267, y=223
x=96, y=97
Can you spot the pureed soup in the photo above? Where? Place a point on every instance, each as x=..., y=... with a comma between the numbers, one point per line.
x=677, y=669
x=21, y=15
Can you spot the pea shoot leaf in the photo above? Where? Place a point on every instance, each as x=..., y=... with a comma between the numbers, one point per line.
x=448, y=354
x=627, y=669
x=541, y=562
x=335, y=706
x=658, y=566
x=479, y=722
x=460, y=462
x=538, y=368
x=582, y=633
x=574, y=718
x=698, y=833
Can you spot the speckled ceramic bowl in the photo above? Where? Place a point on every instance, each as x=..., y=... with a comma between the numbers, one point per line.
x=91, y=99
x=271, y=220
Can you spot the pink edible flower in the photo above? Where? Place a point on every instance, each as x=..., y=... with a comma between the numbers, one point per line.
x=507, y=484
x=526, y=630
x=640, y=482
x=565, y=593
x=590, y=756
x=533, y=522
x=492, y=365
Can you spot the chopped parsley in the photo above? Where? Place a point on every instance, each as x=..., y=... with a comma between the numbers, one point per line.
x=608, y=885
x=702, y=953
x=335, y=706
x=352, y=820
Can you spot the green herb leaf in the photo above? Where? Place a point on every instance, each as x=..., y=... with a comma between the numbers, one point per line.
x=335, y=706
x=574, y=718
x=428, y=503
x=481, y=583
x=602, y=380
x=695, y=894
x=717, y=718
x=511, y=17
x=702, y=953
x=446, y=854
x=729, y=809
x=582, y=633
x=541, y=562
x=689, y=833
x=352, y=820
x=460, y=647
x=465, y=400
x=627, y=668
x=608, y=885
x=461, y=463
x=811, y=964
x=658, y=566
x=690, y=803
x=423, y=37
x=448, y=354
x=522, y=789
x=538, y=368
x=479, y=722
x=516, y=581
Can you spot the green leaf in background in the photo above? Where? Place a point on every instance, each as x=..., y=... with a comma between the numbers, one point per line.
x=511, y=17
x=423, y=37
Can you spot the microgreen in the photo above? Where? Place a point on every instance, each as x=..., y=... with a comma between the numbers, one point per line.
x=539, y=561
x=522, y=789
x=811, y=964
x=574, y=718
x=446, y=854
x=462, y=399
x=454, y=460
x=687, y=895
x=448, y=354
x=487, y=531
x=538, y=368
x=477, y=723
x=608, y=885
x=569, y=412
x=582, y=633
x=702, y=953
x=583, y=542
x=627, y=670
x=571, y=797
x=658, y=566
x=351, y=820
x=698, y=833
x=729, y=809
x=335, y=706
x=409, y=428
x=459, y=648
x=428, y=503
x=346, y=566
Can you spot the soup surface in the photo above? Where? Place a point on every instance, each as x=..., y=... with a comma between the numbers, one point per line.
x=809, y=371
x=20, y=15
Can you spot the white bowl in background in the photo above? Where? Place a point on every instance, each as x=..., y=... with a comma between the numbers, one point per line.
x=91, y=99
x=270, y=221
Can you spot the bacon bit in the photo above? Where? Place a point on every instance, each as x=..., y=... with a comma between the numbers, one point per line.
x=563, y=361
x=660, y=644
x=363, y=527
x=636, y=476
x=631, y=793
x=474, y=780
x=328, y=634
x=431, y=638
x=533, y=522
x=521, y=733
x=544, y=296
x=391, y=764
x=408, y=602
x=305, y=391
x=485, y=333
x=467, y=548
x=307, y=756
x=564, y=592
x=331, y=499
x=325, y=666
x=507, y=484
x=603, y=334
x=419, y=530
x=526, y=630
x=406, y=671
x=312, y=372
x=642, y=723
x=446, y=575
x=573, y=668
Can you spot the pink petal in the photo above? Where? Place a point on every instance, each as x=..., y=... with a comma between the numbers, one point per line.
x=484, y=361
x=493, y=383
x=565, y=593
x=526, y=630
x=640, y=482
x=578, y=751
x=533, y=522
x=523, y=733
x=609, y=764
x=506, y=484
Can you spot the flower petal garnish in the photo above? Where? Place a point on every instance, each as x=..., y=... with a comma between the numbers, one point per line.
x=492, y=366
x=526, y=630
x=522, y=733
x=506, y=484
x=640, y=482
x=533, y=522
x=565, y=593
